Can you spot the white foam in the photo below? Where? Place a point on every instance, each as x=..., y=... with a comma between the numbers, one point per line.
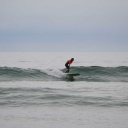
x=54, y=72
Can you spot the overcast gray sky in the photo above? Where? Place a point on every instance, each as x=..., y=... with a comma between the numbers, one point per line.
x=64, y=25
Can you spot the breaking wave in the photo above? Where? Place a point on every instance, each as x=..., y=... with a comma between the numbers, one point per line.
x=89, y=74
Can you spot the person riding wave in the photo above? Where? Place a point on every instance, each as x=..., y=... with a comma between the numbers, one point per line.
x=68, y=64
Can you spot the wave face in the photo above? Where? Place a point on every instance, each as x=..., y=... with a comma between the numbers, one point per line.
x=89, y=74
x=102, y=74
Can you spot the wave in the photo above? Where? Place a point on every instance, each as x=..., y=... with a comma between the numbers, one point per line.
x=89, y=74
x=102, y=74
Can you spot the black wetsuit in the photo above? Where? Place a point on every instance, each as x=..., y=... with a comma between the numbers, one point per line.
x=67, y=65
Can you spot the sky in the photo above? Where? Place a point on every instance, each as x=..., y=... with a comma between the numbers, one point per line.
x=63, y=25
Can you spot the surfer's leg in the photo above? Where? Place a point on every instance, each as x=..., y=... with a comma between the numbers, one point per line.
x=66, y=65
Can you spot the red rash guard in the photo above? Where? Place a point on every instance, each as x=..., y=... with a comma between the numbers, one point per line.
x=69, y=61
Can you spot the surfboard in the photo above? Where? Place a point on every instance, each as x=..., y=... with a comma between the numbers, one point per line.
x=73, y=74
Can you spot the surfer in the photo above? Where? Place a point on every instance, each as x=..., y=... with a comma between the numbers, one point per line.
x=68, y=64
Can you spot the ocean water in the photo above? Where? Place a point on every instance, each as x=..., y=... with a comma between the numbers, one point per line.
x=35, y=92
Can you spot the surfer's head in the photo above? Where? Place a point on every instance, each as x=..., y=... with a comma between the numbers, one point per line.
x=72, y=59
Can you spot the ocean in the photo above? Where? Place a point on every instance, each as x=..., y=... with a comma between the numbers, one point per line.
x=36, y=93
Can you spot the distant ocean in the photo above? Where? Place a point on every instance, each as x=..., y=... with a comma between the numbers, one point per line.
x=35, y=92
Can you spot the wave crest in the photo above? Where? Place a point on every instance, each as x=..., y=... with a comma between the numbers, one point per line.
x=90, y=74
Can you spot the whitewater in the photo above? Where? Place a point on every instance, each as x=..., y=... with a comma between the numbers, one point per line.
x=35, y=91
